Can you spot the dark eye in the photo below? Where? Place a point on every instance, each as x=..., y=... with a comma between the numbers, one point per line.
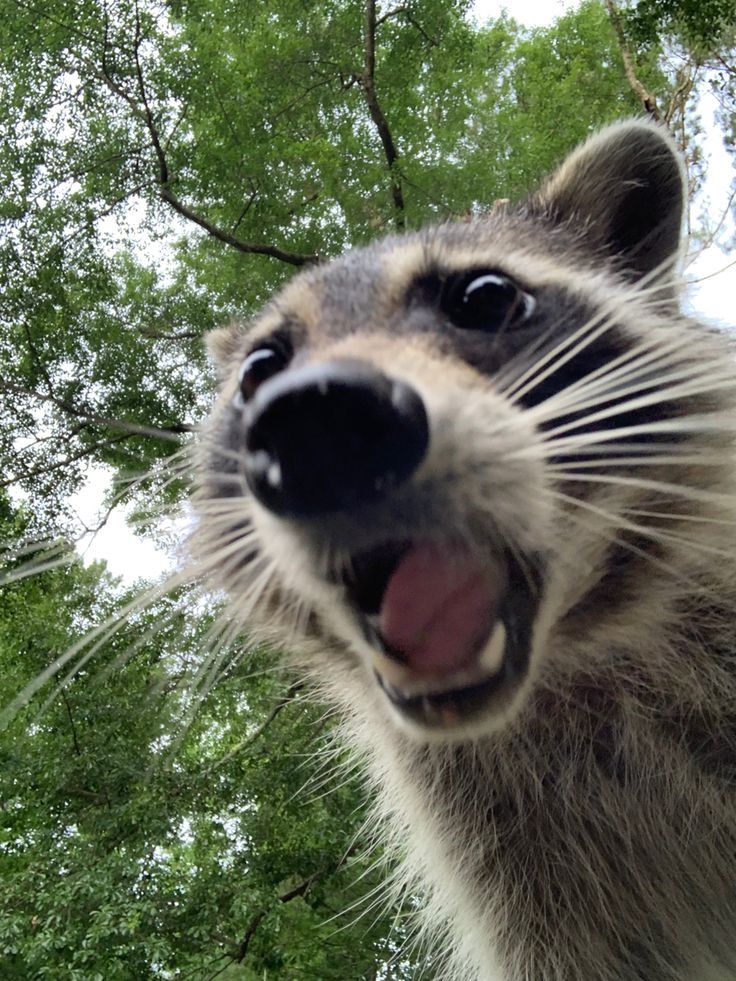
x=485, y=300
x=259, y=366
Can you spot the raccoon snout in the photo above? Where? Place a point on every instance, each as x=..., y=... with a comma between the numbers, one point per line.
x=328, y=437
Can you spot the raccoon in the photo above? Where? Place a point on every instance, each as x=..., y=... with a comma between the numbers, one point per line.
x=478, y=481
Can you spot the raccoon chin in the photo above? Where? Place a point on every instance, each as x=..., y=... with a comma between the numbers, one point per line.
x=450, y=634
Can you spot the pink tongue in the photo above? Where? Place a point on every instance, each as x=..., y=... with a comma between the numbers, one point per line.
x=437, y=608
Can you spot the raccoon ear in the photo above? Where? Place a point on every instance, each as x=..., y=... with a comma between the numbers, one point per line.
x=223, y=344
x=625, y=189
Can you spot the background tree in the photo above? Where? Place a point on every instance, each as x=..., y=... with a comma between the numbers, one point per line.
x=165, y=166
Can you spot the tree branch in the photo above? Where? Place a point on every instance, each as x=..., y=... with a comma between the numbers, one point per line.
x=686, y=77
x=366, y=80
x=286, y=897
x=133, y=428
x=141, y=109
x=406, y=13
x=75, y=740
x=281, y=704
x=646, y=97
x=713, y=236
x=65, y=462
x=253, y=248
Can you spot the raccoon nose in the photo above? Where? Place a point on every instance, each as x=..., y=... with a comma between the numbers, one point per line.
x=330, y=436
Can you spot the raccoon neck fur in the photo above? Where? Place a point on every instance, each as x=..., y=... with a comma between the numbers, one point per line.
x=479, y=481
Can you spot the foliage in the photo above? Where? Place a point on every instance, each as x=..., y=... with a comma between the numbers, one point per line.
x=165, y=166
x=124, y=858
x=705, y=24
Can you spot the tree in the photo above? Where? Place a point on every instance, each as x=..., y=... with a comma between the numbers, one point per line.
x=122, y=858
x=166, y=166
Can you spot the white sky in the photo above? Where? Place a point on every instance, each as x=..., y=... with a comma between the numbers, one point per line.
x=126, y=554
x=132, y=557
x=534, y=13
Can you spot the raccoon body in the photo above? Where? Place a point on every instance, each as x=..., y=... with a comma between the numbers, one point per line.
x=479, y=482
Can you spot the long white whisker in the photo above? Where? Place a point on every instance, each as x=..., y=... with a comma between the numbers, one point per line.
x=646, y=483
x=704, y=386
x=651, y=459
x=600, y=441
x=97, y=637
x=641, y=358
x=567, y=348
x=660, y=389
x=36, y=567
x=655, y=535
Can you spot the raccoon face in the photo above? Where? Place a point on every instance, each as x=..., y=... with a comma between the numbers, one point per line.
x=405, y=477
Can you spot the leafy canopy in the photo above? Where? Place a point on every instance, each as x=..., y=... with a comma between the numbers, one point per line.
x=164, y=167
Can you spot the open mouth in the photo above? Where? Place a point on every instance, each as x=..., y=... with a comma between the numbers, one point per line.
x=450, y=632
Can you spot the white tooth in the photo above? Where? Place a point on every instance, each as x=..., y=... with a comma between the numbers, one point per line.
x=491, y=657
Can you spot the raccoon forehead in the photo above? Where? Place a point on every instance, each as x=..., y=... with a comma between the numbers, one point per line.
x=366, y=287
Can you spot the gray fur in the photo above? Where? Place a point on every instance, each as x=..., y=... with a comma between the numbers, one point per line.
x=585, y=828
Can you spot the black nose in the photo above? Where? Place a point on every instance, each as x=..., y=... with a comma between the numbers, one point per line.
x=330, y=436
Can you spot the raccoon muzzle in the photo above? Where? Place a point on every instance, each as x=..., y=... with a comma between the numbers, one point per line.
x=332, y=436
x=451, y=631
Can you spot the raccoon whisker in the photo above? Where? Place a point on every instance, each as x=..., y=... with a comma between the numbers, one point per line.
x=251, y=578
x=224, y=507
x=236, y=546
x=620, y=385
x=679, y=516
x=609, y=441
x=668, y=489
x=376, y=899
x=176, y=463
x=694, y=586
x=331, y=759
x=655, y=534
x=563, y=352
x=642, y=402
x=642, y=450
x=591, y=330
x=648, y=352
x=236, y=654
x=9, y=553
x=331, y=787
x=203, y=682
x=95, y=639
x=230, y=526
x=658, y=390
x=49, y=561
x=230, y=532
x=571, y=345
x=222, y=634
x=303, y=611
x=651, y=459
x=525, y=563
x=256, y=590
x=226, y=513
x=121, y=659
x=237, y=456
x=339, y=561
x=162, y=622
x=224, y=479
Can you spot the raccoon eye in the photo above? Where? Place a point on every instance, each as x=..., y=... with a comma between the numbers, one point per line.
x=260, y=365
x=483, y=299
